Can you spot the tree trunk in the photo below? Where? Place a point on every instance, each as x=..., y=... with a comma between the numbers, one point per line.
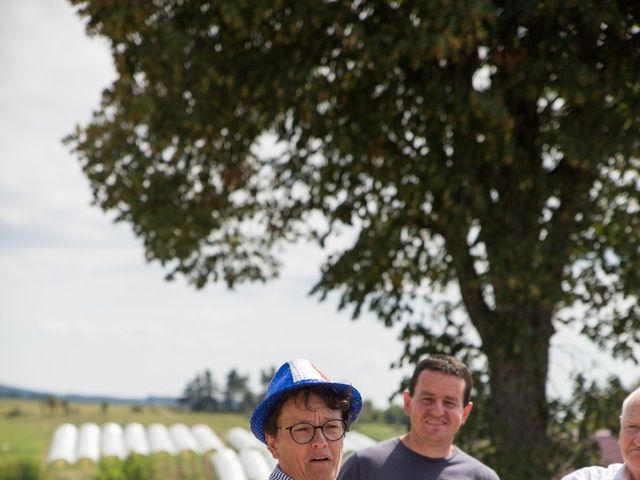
x=517, y=350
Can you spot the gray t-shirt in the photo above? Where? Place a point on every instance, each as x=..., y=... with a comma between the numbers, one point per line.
x=392, y=460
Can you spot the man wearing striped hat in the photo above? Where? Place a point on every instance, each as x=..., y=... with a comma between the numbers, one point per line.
x=303, y=419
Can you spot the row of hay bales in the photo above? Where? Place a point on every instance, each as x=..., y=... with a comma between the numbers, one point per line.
x=92, y=442
x=247, y=459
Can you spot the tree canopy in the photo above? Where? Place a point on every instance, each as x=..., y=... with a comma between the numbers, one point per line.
x=486, y=148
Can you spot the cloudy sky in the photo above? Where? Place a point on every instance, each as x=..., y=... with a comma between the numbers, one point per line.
x=81, y=311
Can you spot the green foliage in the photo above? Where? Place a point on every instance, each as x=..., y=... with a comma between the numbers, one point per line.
x=591, y=407
x=393, y=415
x=594, y=406
x=488, y=152
x=20, y=469
x=134, y=467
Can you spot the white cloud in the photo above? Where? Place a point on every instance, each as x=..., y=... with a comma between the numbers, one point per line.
x=89, y=327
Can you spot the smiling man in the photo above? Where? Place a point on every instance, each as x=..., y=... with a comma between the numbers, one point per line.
x=303, y=419
x=629, y=441
x=437, y=404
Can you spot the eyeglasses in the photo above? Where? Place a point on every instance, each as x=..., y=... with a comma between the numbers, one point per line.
x=304, y=432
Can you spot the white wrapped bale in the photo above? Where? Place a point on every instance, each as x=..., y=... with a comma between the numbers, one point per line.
x=135, y=439
x=88, y=442
x=112, y=441
x=241, y=439
x=349, y=446
x=360, y=440
x=63, y=444
x=272, y=462
x=159, y=439
x=227, y=465
x=206, y=439
x=182, y=438
x=255, y=465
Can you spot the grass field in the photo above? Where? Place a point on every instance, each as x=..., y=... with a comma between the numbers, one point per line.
x=26, y=428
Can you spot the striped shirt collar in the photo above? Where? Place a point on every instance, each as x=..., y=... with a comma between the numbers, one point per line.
x=278, y=474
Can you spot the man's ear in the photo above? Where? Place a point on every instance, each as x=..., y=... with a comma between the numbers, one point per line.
x=271, y=445
x=406, y=396
x=466, y=411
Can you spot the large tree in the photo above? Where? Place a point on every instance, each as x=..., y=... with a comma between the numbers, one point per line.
x=482, y=149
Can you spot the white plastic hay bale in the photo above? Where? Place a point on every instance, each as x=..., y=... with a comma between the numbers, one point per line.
x=349, y=446
x=88, y=442
x=227, y=465
x=63, y=444
x=241, y=439
x=360, y=440
x=182, y=438
x=135, y=439
x=255, y=465
x=112, y=441
x=206, y=438
x=272, y=462
x=159, y=439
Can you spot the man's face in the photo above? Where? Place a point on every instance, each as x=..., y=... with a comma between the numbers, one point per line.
x=317, y=460
x=436, y=412
x=629, y=438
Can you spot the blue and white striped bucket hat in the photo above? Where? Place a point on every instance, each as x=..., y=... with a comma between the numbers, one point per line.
x=297, y=374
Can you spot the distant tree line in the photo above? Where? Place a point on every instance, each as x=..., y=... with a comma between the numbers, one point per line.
x=204, y=394
x=53, y=403
x=392, y=415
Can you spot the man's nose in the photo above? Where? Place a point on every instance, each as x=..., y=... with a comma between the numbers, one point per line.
x=437, y=408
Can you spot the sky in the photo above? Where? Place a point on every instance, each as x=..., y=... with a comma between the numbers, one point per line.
x=81, y=311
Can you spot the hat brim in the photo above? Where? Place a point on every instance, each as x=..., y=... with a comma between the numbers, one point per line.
x=260, y=414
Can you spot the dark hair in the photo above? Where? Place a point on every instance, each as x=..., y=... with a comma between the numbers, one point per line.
x=445, y=364
x=333, y=399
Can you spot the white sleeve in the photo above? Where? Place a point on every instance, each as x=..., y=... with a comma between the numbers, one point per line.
x=595, y=473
